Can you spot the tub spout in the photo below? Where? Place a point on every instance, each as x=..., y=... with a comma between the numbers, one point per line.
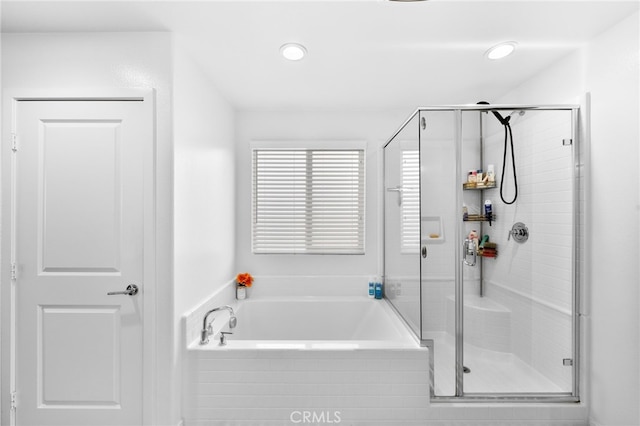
x=206, y=327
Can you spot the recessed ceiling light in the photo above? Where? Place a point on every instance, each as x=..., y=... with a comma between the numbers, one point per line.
x=501, y=50
x=293, y=51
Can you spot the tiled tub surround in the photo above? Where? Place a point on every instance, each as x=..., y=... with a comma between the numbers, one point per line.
x=347, y=360
x=277, y=386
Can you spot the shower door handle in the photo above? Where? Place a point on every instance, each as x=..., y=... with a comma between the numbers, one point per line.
x=399, y=190
x=424, y=252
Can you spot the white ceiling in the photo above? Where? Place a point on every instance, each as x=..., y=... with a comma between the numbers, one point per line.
x=363, y=54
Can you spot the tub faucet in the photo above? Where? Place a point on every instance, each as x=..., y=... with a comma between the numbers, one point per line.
x=223, y=338
x=206, y=328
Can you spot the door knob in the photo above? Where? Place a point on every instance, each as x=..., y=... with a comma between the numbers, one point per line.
x=131, y=290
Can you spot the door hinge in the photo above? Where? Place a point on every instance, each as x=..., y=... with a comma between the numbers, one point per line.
x=567, y=362
x=567, y=142
x=14, y=400
x=14, y=142
x=14, y=271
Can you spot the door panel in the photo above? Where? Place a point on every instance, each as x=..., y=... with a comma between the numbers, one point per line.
x=79, y=235
x=79, y=376
x=85, y=238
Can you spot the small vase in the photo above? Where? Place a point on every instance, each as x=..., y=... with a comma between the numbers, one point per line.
x=241, y=292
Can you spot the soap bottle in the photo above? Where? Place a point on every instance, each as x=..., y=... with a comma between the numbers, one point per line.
x=491, y=174
x=372, y=285
x=378, y=290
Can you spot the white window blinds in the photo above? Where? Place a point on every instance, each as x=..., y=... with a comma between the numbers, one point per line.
x=410, y=224
x=308, y=201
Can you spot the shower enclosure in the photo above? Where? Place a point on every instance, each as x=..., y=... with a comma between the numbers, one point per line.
x=481, y=238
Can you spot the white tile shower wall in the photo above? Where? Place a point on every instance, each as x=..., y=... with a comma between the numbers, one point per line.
x=434, y=308
x=487, y=324
x=540, y=335
x=268, y=387
x=404, y=294
x=533, y=279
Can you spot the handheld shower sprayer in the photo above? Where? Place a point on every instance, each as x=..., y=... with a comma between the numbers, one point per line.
x=508, y=136
x=501, y=119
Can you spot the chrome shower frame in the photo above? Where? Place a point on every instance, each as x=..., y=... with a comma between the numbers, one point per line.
x=578, y=161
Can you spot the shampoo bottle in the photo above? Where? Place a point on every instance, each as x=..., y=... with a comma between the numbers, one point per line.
x=488, y=211
x=372, y=285
x=378, y=290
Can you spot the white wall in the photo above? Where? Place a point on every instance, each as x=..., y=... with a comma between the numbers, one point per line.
x=608, y=67
x=204, y=184
x=108, y=60
x=371, y=127
x=2, y=343
x=204, y=188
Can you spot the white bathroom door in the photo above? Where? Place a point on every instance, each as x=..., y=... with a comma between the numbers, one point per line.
x=79, y=222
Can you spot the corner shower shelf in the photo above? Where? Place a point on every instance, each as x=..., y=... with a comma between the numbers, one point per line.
x=478, y=186
x=479, y=218
x=488, y=252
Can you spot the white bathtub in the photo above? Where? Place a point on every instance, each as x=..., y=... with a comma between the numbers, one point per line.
x=314, y=323
x=350, y=358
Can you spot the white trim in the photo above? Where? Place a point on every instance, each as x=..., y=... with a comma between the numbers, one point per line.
x=10, y=101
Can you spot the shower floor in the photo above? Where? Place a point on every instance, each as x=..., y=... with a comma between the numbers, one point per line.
x=491, y=371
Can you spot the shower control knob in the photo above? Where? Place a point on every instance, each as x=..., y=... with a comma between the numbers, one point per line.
x=519, y=232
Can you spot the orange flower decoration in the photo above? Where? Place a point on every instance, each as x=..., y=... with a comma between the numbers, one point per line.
x=244, y=279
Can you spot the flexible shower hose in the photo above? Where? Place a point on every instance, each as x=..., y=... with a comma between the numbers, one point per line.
x=508, y=136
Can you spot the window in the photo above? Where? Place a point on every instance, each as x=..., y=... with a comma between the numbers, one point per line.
x=308, y=201
x=410, y=209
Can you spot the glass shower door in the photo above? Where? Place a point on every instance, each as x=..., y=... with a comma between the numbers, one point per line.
x=518, y=296
x=439, y=228
x=402, y=225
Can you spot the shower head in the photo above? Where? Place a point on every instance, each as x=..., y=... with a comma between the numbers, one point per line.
x=504, y=121
x=233, y=321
